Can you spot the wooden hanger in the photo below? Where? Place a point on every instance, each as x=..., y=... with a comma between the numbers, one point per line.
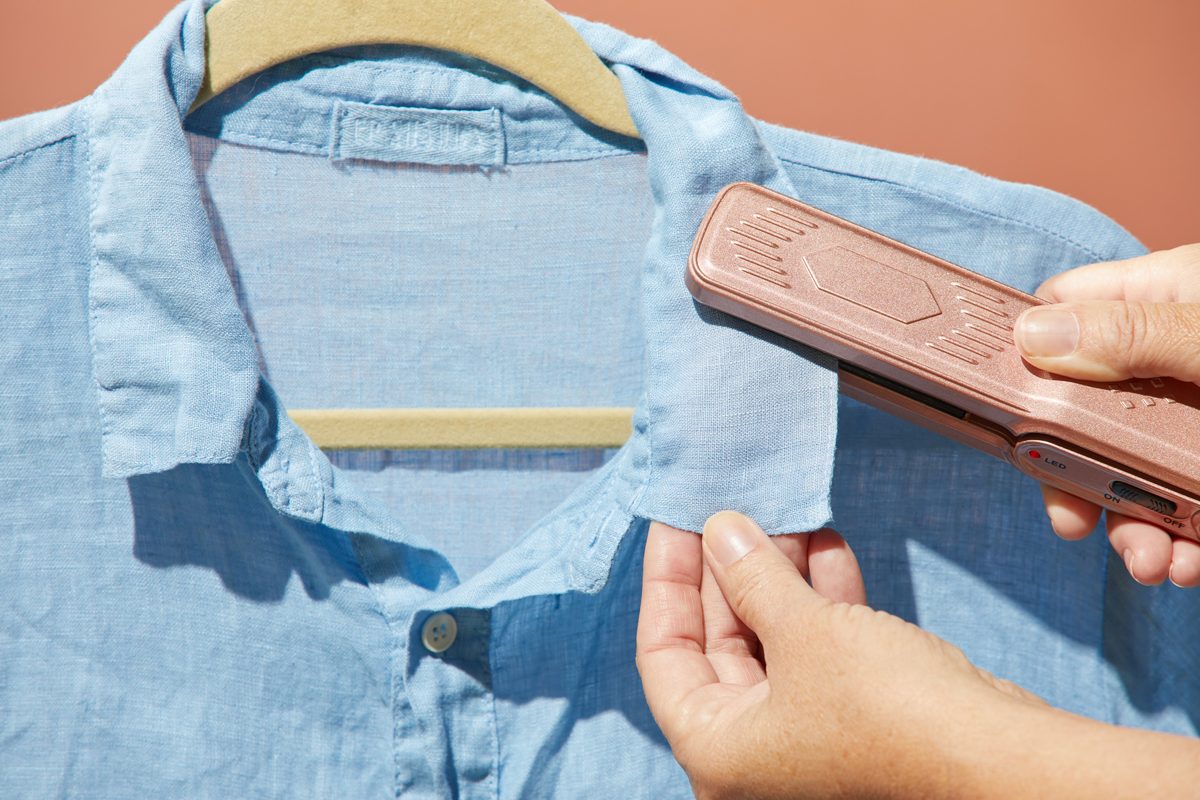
x=525, y=37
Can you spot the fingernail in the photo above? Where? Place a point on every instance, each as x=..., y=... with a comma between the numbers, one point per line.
x=729, y=537
x=1047, y=332
x=1171, y=575
x=1129, y=559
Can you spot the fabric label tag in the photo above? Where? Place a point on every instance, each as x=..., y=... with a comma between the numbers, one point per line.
x=416, y=135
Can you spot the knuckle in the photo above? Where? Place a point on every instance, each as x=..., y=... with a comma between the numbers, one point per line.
x=842, y=624
x=1169, y=275
x=1180, y=279
x=1140, y=272
x=1124, y=332
x=1187, y=255
x=734, y=644
x=753, y=584
x=1183, y=344
x=1154, y=339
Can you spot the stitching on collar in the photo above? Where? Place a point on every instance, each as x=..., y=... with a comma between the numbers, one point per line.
x=93, y=179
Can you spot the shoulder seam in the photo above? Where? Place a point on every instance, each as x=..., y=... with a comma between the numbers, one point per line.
x=1096, y=256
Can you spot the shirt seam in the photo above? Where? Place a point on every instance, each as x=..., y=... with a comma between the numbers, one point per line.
x=20, y=154
x=396, y=681
x=106, y=425
x=314, y=472
x=596, y=517
x=235, y=136
x=278, y=481
x=494, y=773
x=957, y=203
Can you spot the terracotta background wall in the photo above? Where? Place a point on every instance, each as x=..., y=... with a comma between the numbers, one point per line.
x=1096, y=98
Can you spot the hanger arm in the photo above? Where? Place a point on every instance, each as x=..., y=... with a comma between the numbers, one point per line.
x=525, y=37
x=464, y=428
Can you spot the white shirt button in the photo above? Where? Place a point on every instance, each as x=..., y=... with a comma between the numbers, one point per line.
x=439, y=632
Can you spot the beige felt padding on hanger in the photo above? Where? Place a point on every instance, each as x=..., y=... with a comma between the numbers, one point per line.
x=464, y=428
x=525, y=37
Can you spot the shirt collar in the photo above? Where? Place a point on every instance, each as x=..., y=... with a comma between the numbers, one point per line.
x=176, y=367
x=174, y=361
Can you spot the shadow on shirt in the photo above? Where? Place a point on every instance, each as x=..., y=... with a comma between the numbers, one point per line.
x=974, y=561
x=182, y=518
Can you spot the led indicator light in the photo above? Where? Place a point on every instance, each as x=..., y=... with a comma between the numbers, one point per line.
x=1034, y=454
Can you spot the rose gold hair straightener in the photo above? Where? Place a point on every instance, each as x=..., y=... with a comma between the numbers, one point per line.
x=932, y=343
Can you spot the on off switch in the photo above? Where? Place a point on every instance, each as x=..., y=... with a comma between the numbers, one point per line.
x=1159, y=505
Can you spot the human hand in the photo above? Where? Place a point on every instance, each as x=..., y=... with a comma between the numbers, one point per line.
x=1138, y=318
x=766, y=686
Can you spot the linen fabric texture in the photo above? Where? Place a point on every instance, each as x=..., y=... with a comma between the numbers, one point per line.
x=197, y=601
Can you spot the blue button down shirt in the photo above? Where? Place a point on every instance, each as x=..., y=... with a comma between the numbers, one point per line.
x=197, y=601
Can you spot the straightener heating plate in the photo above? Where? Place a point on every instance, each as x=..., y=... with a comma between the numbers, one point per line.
x=932, y=342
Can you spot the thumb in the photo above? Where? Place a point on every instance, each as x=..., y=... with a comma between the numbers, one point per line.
x=1112, y=340
x=761, y=584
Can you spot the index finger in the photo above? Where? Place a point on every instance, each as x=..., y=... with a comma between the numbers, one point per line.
x=1166, y=276
x=670, y=635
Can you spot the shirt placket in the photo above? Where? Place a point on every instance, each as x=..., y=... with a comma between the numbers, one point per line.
x=448, y=685
x=443, y=712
